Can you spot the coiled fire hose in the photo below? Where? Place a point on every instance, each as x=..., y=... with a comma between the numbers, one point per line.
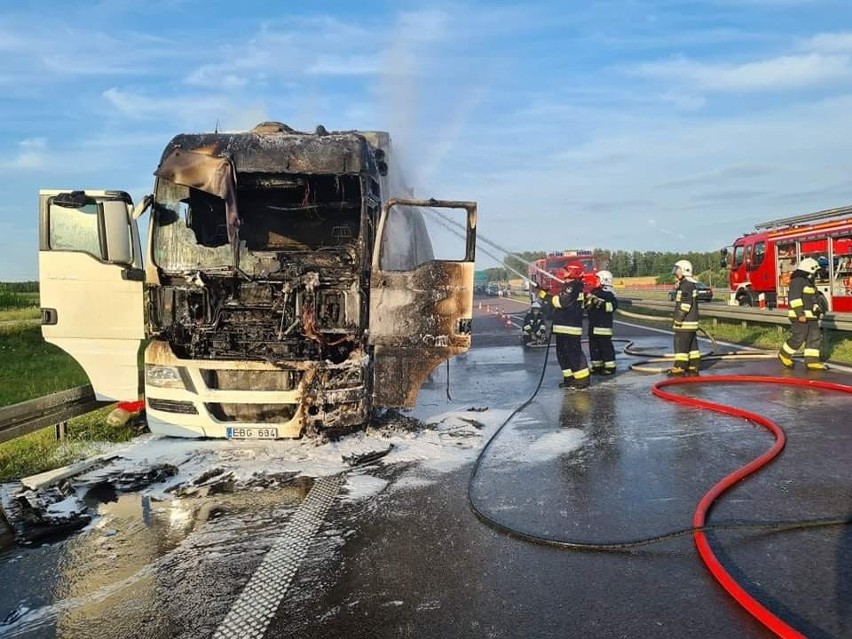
x=699, y=521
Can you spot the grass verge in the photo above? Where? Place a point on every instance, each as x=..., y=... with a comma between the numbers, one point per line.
x=19, y=314
x=836, y=345
x=37, y=452
x=30, y=368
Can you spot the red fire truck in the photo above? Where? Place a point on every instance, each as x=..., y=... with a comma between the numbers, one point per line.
x=542, y=272
x=761, y=263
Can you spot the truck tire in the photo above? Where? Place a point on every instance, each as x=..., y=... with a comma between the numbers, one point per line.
x=744, y=299
x=823, y=303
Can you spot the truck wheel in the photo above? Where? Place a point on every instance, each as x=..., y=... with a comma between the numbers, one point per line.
x=745, y=300
x=823, y=303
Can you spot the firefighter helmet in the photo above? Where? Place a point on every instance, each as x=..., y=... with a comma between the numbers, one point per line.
x=605, y=278
x=685, y=267
x=573, y=271
x=535, y=306
x=809, y=265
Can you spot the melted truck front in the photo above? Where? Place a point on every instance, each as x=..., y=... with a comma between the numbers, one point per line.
x=284, y=289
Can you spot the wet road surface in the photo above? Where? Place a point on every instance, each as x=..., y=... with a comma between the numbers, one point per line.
x=400, y=553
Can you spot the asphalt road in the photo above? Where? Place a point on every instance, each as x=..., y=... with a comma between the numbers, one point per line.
x=399, y=552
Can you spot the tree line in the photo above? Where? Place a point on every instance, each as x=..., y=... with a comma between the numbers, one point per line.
x=18, y=294
x=621, y=263
x=20, y=287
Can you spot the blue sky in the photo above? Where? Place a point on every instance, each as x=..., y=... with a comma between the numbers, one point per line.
x=624, y=124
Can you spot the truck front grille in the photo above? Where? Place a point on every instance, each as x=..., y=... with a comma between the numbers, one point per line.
x=257, y=413
x=173, y=406
x=248, y=380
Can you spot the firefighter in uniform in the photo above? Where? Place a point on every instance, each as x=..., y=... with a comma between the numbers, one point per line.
x=568, y=326
x=534, y=328
x=685, y=324
x=601, y=303
x=804, y=317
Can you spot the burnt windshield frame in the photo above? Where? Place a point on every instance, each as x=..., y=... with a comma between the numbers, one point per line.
x=327, y=210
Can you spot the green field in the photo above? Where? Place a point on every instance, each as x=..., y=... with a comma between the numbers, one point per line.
x=30, y=368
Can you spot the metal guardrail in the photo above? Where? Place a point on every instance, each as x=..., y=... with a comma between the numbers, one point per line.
x=833, y=321
x=35, y=414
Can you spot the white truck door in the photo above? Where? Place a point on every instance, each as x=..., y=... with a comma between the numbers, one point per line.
x=91, y=285
x=421, y=308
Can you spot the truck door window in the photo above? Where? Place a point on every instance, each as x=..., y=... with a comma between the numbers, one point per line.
x=75, y=229
x=446, y=228
x=759, y=254
x=406, y=243
x=842, y=284
x=739, y=255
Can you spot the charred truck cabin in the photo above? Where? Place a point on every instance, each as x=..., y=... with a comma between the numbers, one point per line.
x=284, y=290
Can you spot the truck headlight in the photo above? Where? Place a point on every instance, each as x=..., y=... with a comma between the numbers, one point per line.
x=163, y=376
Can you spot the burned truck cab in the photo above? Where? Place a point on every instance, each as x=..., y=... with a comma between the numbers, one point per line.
x=264, y=274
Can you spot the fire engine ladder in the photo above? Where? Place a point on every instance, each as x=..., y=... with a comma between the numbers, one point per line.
x=807, y=217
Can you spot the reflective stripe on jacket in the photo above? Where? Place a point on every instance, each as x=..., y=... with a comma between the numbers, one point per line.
x=686, y=306
x=601, y=304
x=802, y=296
x=568, y=309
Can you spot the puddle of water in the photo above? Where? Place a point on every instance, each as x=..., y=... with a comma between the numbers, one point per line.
x=124, y=569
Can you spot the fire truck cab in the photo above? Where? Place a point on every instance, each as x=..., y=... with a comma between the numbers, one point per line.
x=760, y=264
x=542, y=273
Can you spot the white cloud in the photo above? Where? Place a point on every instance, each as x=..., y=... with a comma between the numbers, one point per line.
x=32, y=154
x=707, y=180
x=287, y=52
x=684, y=101
x=64, y=51
x=343, y=66
x=774, y=74
x=840, y=42
x=186, y=111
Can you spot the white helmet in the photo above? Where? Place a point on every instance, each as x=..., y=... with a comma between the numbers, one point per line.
x=685, y=267
x=535, y=305
x=809, y=265
x=605, y=278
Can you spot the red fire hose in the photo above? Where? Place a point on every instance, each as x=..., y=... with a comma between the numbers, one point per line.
x=754, y=607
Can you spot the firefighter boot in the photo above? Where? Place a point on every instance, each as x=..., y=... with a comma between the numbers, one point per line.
x=676, y=371
x=816, y=366
x=581, y=380
x=567, y=382
x=785, y=359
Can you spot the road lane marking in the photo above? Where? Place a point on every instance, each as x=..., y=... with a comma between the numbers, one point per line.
x=254, y=609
